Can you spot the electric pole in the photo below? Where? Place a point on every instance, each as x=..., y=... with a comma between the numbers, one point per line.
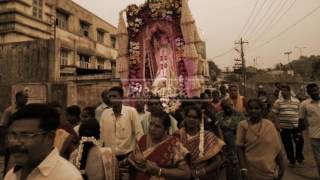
x=244, y=72
x=255, y=62
x=288, y=54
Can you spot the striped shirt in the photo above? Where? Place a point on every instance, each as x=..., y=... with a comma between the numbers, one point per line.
x=287, y=112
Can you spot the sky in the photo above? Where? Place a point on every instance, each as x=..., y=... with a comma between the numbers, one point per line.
x=271, y=27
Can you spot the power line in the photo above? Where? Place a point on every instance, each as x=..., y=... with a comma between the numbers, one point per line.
x=276, y=12
x=224, y=53
x=288, y=28
x=254, y=19
x=249, y=18
x=277, y=20
x=263, y=17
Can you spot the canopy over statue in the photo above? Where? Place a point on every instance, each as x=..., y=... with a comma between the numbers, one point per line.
x=160, y=50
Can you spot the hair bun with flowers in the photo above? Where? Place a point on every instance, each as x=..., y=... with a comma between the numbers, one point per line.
x=83, y=140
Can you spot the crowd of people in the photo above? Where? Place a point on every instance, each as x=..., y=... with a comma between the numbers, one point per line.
x=218, y=135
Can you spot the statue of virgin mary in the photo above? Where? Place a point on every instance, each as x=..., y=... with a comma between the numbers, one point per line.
x=165, y=82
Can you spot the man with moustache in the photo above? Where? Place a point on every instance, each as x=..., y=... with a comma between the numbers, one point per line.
x=309, y=117
x=120, y=129
x=286, y=111
x=21, y=100
x=30, y=136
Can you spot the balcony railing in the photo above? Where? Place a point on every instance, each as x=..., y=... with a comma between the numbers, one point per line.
x=84, y=65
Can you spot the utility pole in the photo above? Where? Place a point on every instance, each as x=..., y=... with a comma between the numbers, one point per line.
x=255, y=62
x=244, y=72
x=288, y=54
x=237, y=68
x=300, y=49
x=289, y=67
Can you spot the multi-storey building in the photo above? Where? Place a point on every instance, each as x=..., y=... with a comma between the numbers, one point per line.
x=87, y=42
x=83, y=45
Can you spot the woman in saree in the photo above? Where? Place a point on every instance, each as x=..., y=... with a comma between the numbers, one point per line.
x=204, y=146
x=159, y=155
x=93, y=161
x=259, y=146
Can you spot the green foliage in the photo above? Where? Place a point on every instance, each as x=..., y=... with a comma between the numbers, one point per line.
x=213, y=70
x=307, y=67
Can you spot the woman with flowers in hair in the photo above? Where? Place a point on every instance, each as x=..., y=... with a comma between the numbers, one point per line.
x=205, y=148
x=93, y=161
x=158, y=155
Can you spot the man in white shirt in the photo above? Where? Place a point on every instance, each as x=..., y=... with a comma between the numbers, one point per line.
x=120, y=127
x=309, y=115
x=30, y=136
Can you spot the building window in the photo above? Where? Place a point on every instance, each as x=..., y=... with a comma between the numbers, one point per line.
x=84, y=61
x=37, y=8
x=62, y=20
x=100, y=63
x=64, y=57
x=113, y=67
x=113, y=41
x=100, y=36
x=84, y=28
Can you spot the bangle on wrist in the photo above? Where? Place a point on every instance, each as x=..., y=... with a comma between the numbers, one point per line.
x=244, y=170
x=204, y=172
x=159, y=172
x=196, y=173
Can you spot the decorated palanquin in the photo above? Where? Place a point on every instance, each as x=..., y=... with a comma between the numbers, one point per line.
x=160, y=50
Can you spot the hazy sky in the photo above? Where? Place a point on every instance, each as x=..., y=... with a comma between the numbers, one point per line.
x=221, y=22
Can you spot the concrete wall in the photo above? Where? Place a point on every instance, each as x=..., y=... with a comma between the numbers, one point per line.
x=37, y=92
x=66, y=93
x=89, y=93
x=25, y=62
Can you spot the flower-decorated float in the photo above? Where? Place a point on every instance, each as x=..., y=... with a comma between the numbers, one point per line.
x=160, y=50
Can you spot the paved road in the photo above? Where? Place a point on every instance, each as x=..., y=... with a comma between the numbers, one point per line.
x=307, y=171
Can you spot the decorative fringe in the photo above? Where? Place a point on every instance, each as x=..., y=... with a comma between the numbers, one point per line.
x=206, y=72
x=122, y=64
x=188, y=31
x=185, y=12
x=122, y=41
x=194, y=83
x=191, y=66
x=201, y=144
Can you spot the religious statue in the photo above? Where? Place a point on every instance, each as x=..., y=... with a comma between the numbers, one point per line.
x=165, y=82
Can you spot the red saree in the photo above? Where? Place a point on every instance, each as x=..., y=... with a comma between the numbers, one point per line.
x=212, y=146
x=166, y=154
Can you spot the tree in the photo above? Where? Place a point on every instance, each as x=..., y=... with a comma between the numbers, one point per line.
x=315, y=74
x=213, y=70
x=279, y=66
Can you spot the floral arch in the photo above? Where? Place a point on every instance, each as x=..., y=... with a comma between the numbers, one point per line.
x=160, y=50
